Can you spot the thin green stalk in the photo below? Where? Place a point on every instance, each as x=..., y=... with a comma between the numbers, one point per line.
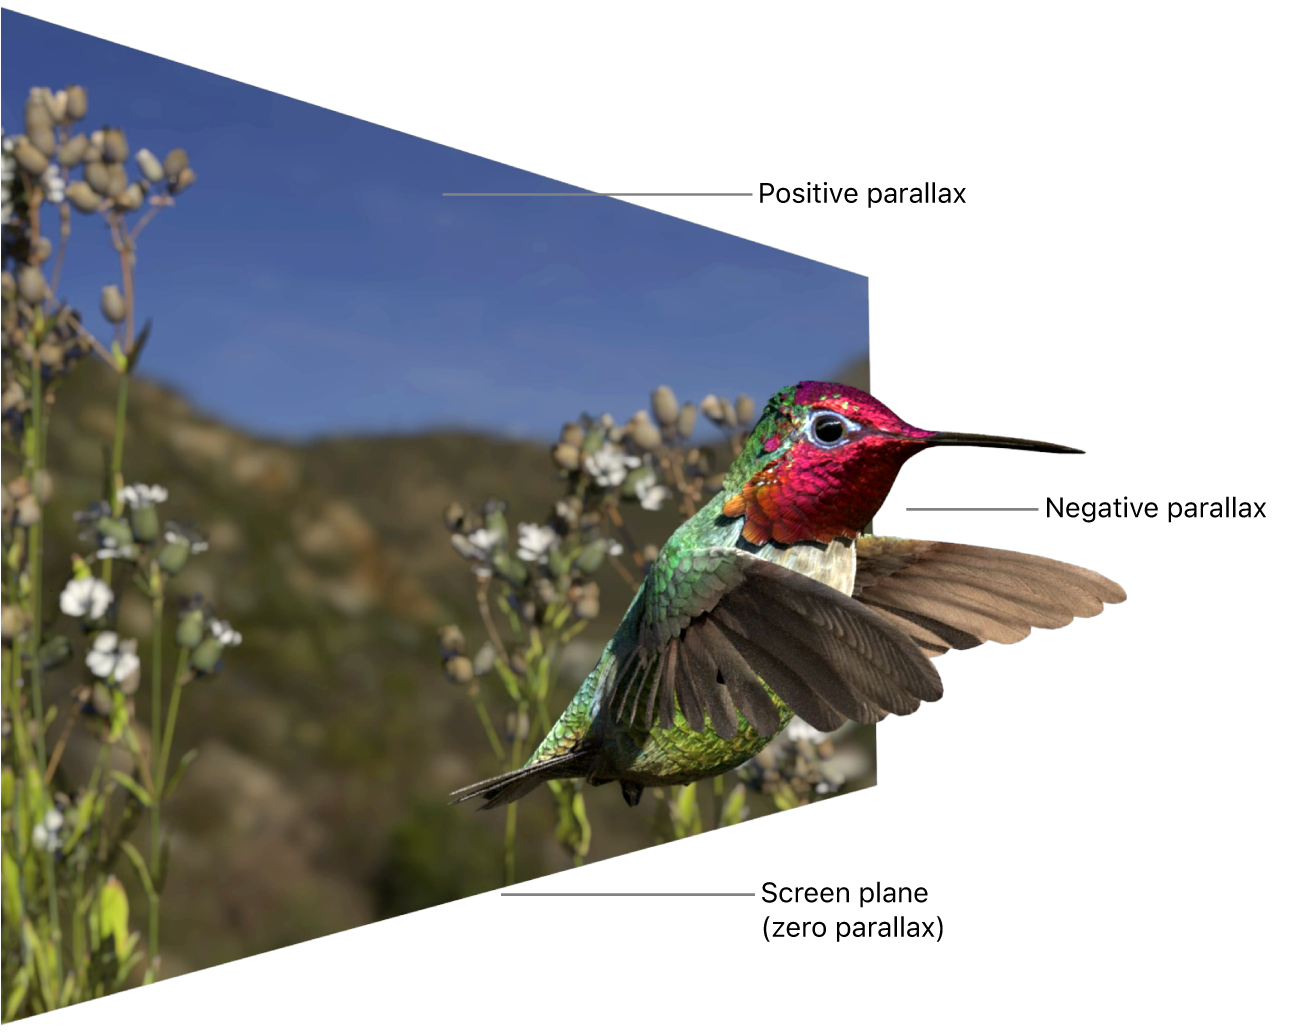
x=481, y=706
x=115, y=472
x=511, y=811
x=34, y=557
x=155, y=720
x=173, y=709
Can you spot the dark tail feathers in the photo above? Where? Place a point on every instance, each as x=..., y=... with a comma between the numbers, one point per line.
x=512, y=786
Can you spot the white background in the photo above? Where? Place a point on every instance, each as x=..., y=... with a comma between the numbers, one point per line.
x=1103, y=814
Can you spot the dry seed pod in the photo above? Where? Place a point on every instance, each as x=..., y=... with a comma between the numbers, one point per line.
x=76, y=103
x=458, y=669
x=31, y=285
x=111, y=304
x=44, y=486
x=685, y=422
x=745, y=409
x=712, y=409
x=30, y=157
x=98, y=178
x=8, y=286
x=83, y=197
x=114, y=147
x=36, y=113
x=645, y=434
x=485, y=659
x=649, y=552
x=451, y=640
x=131, y=198
x=41, y=250
x=573, y=434
x=453, y=516
x=50, y=354
x=149, y=165
x=728, y=415
x=42, y=138
x=665, y=407
x=117, y=178
x=74, y=150
x=177, y=161
x=566, y=456
x=58, y=105
x=185, y=179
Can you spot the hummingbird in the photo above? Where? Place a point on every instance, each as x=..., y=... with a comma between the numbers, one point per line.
x=771, y=602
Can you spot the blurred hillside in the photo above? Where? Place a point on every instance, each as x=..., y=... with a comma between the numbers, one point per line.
x=328, y=744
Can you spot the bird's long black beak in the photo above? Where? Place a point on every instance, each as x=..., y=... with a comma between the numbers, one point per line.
x=998, y=441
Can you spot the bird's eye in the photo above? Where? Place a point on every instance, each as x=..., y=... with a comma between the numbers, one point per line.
x=828, y=429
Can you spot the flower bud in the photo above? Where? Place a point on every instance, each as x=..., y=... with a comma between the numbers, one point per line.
x=50, y=355
x=172, y=557
x=185, y=179
x=587, y=606
x=31, y=285
x=42, y=138
x=685, y=423
x=593, y=441
x=189, y=630
x=665, y=407
x=111, y=304
x=451, y=641
x=149, y=165
x=30, y=158
x=98, y=178
x=44, y=483
x=113, y=529
x=176, y=162
x=83, y=197
x=74, y=150
x=114, y=147
x=458, y=669
x=131, y=198
x=485, y=659
x=644, y=433
x=76, y=103
x=712, y=409
x=206, y=655
x=572, y=434
x=454, y=516
x=566, y=456
x=744, y=409
x=592, y=556
x=28, y=511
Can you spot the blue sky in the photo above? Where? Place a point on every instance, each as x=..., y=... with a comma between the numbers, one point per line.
x=314, y=281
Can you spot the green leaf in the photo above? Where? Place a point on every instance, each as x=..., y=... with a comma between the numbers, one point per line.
x=22, y=983
x=12, y=894
x=141, y=868
x=7, y=789
x=85, y=812
x=140, y=340
x=736, y=807
x=114, y=914
x=181, y=767
x=119, y=718
x=130, y=784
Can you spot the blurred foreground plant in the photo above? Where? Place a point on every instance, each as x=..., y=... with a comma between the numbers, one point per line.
x=67, y=920
x=541, y=581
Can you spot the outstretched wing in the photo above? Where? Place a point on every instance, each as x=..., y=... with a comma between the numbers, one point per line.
x=721, y=629
x=949, y=595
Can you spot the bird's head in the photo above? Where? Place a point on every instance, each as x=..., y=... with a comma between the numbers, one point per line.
x=822, y=459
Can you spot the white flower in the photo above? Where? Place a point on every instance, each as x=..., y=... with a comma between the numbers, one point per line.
x=609, y=466
x=54, y=184
x=614, y=548
x=478, y=546
x=86, y=597
x=112, y=549
x=535, y=541
x=141, y=495
x=650, y=494
x=112, y=659
x=800, y=730
x=225, y=633
x=45, y=833
x=176, y=534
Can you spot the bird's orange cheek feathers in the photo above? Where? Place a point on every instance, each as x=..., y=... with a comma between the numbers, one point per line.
x=776, y=509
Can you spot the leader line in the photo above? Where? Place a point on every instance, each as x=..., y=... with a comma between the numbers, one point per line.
x=973, y=509
x=628, y=893
x=597, y=194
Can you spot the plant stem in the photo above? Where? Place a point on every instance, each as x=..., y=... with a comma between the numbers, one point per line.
x=173, y=709
x=155, y=721
x=34, y=558
x=115, y=472
x=511, y=811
